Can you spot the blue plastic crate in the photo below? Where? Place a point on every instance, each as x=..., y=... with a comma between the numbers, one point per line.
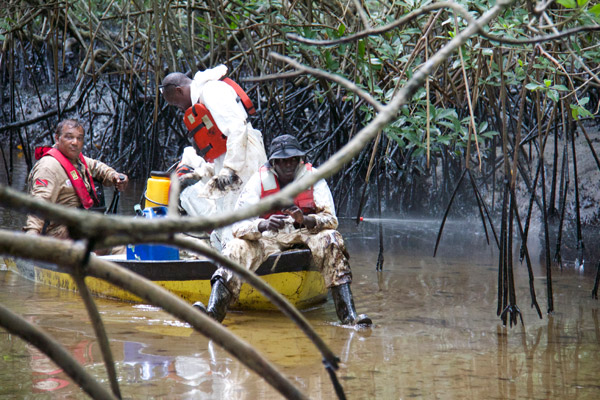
x=152, y=252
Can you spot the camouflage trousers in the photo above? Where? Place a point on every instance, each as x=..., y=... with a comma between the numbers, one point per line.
x=327, y=247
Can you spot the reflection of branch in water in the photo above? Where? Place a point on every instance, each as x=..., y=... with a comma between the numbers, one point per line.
x=381, y=282
x=596, y=324
x=529, y=357
x=502, y=362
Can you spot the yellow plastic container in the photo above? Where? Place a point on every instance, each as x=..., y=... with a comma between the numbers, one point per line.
x=157, y=191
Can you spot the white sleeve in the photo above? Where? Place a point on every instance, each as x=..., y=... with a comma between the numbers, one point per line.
x=250, y=195
x=325, y=208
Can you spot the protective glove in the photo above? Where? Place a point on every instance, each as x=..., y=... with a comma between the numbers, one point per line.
x=183, y=169
x=227, y=180
x=193, y=176
x=187, y=180
x=223, y=181
x=220, y=185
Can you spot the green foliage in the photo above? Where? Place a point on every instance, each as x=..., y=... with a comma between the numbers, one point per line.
x=548, y=89
x=578, y=110
x=567, y=3
x=241, y=33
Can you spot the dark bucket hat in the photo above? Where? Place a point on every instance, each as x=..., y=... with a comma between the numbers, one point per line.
x=285, y=146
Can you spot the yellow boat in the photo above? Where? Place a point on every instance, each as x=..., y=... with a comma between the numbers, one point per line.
x=291, y=273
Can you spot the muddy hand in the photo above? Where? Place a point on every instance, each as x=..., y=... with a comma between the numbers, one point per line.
x=187, y=180
x=120, y=181
x=222, y=181
x=296, y=213
x=227, y=181
x=299, y=217
x=274, y=223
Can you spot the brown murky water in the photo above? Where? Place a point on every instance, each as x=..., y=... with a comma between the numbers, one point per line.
x=436, y=335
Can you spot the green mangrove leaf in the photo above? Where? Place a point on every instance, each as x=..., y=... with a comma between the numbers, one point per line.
x=447, y=124
x=567, y=3
x=577, y=111
x=446, y=113
x=553, y=95
x=533, y=86
x=444, y=139
x=489, y=134
x=361, y=49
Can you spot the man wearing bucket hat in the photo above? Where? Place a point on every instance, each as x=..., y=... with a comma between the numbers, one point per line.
x=310, y=222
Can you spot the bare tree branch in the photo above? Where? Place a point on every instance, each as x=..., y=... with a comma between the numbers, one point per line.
x=20, y=327
x=435, y=6
x=377, y=31
x=68, y=255
x=332, y=77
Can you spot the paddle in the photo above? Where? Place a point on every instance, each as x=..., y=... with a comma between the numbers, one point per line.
x=114, y=204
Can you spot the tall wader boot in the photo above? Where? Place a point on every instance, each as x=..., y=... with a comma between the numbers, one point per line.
x=219, y=300
x=344, y=306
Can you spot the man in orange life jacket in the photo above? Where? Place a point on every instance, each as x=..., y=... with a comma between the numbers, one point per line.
x=310, y=222
x=225, y=174
x=64, y=176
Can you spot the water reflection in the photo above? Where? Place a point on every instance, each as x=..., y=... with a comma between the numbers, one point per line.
x=436, y=334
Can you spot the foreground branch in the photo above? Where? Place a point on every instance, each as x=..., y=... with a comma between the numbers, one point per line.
x=68, y=255
x=247, y=276
x=17, y=325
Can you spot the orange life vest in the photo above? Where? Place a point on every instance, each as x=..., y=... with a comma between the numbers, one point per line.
x=205, y=135
x=269, y=184
x=75, y=177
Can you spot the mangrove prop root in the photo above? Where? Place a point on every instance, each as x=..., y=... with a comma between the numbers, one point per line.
x=596, y=283
x=439, y=236
x=525, y=250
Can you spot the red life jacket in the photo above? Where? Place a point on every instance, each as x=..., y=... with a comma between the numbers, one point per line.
x=206, y=137
x=269, y=184
x=78, y=184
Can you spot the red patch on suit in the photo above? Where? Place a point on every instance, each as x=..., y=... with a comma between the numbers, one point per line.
x=41, y=182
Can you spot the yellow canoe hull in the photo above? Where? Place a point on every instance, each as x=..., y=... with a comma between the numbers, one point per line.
x=294, y=277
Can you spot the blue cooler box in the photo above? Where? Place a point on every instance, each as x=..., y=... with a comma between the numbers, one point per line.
x=152, y=251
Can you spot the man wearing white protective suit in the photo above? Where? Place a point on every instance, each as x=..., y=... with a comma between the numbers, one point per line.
x=309, y=222
x=228, y=150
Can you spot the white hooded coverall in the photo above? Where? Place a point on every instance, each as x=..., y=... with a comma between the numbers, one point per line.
x=245, y=149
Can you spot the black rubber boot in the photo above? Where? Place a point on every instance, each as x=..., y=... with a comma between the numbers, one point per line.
x=344, y=307
x=218, y=302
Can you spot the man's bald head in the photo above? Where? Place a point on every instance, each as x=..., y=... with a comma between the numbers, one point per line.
x=175, y=89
